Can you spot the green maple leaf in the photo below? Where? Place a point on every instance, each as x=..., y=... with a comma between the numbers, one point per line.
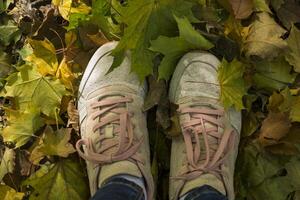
x=5, y=62
x=9, y=32
x=273, y=75
x=22, y=126
x=30, y=87
x=293, y=56
x=63, y=180
x=53, y=144
x=293, y=173
x=145, y=21
x=290, y=104
x=232, y=84
x=174, y=47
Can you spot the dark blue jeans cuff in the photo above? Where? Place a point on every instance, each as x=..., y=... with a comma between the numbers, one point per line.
x=117, y=188
x=205, y=192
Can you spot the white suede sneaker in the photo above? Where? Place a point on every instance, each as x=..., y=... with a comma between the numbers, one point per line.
x=205, y=154
x=113, y=126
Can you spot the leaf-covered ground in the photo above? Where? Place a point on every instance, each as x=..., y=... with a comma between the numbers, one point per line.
x=45, y=46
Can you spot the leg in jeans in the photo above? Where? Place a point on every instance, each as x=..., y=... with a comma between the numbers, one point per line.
x=118, y=188
x=205, y=192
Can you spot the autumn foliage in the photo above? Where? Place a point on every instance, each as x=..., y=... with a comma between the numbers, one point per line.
x=46, y=45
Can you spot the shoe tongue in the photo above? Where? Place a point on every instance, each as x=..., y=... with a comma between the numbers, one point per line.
x=109, y=129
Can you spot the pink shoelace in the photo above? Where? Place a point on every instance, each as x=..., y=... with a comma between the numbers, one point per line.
x=216, y=145
x=113, y=149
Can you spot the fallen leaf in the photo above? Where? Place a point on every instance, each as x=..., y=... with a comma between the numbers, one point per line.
x=264, y=38
x=274, y=127
x=175, y=128
x=293, y=55
x=52, y=144
x=22, y=126
x=288, y=144
x=241, y=8
x=9, y=32
x=291, y=104
x=276, y=188
x=4, y=5
x=283, y=148
x=273, y=75
x=65, y=74
x=175, y=47
x=275, y=101
x=30, y=87
x=73, y=116
x=289, y=12
x=157, y=90
x=7, y=162
x=261, y=6
x=42, y=55
x=5, y=64
x=276, y=4
x=226, y=48
x=8, y=193
x=233, y=28
x=76, y=20
x=141, y=18
x=293, y=173
x=295, y=110
x=232, y=84
x=98, y=38
x=26, y=167
x=250, y=124
x=257, y=166
x=66, y=8
x=63, y=180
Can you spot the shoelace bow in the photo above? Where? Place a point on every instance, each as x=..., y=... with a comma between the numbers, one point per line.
x=127, y=145
x=195, y=127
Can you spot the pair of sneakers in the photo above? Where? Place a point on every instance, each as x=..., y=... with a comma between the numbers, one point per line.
x=114, y=128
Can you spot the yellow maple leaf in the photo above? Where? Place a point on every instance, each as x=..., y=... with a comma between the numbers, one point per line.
x=43, y=56
x=64, y=73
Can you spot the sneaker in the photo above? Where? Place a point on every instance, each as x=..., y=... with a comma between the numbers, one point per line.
x=114, y=135
x=205, y=154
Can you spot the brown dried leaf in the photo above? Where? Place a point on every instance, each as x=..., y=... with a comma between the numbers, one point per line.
x=283, y=148
x=98, y=38
x=274, y=128
x=241, y=8
x=175, y=128
x=73, y=116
